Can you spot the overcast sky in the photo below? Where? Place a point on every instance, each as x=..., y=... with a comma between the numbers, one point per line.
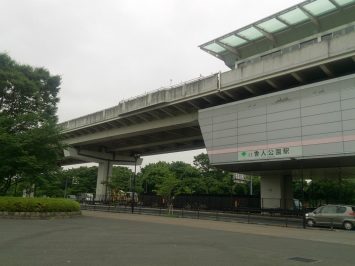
x=110, y=50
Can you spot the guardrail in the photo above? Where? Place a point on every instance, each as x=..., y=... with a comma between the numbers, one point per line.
x=161, y=95
x=241, y=215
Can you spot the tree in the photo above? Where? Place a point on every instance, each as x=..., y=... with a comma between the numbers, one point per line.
x=218, y=182
x=29, y=136
x=153, y=174
x=190, y=177
x=79, y=180
x=120, y=179
x=168, y=188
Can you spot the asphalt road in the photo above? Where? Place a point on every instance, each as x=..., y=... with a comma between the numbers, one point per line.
x=122, y=239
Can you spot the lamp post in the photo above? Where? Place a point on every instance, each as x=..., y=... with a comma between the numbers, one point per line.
x=136, y=157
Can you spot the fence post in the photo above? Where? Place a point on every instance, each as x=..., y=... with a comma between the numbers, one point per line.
x=286, y=217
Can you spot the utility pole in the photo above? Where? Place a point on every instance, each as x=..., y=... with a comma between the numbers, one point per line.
x=136, y=157
x=251, y=185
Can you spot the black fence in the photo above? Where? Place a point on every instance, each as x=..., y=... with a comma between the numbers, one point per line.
x=221, y=208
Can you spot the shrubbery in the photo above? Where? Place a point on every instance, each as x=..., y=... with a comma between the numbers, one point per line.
x=14, y=204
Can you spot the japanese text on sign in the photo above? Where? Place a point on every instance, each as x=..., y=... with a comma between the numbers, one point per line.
x=270, y=153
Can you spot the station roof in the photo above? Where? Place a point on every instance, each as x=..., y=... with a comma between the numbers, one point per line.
x=295, y=23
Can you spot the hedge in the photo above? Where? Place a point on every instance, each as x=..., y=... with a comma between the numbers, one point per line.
x=13, y=204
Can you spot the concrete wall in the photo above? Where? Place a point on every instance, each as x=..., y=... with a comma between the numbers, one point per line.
x=309, y=121
x=276, y=192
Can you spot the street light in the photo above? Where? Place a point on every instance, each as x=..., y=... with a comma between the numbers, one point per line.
x=136, y=156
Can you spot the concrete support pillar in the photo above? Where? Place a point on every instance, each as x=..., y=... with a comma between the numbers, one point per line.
x=103, y=174
x=276, y=191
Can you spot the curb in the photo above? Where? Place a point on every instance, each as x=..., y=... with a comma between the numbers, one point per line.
x=38, y=215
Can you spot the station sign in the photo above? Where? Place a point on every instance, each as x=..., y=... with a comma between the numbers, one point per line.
x=274, y=153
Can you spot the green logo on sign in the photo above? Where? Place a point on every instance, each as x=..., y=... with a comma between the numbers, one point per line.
x=244, y=154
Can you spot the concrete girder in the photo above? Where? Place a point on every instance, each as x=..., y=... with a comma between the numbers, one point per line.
x=142, y=116
x=327, y=70
x=205, y=98
x=229, y=95
x=193, y=105
x=153, y=114
x=134, y=130
x=220, y=94
x=166, y=142
x=99, y=157
x=167, y=112
x=298, y=77
x=250, y=89
x=273, y=84
x=182, y=110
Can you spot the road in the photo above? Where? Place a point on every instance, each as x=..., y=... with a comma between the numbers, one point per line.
x=102, y=238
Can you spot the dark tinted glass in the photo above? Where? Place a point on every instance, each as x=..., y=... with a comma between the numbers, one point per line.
x=341, y=209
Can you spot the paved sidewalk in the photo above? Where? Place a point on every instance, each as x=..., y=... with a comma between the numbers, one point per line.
x=315, y=234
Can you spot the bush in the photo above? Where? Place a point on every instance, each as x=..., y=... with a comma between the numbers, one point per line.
x=13, y=204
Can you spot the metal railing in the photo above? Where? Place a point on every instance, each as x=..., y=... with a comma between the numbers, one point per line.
x=220, y=208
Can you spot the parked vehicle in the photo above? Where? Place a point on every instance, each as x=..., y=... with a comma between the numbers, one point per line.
x=297, y=204
x=73, y=197
x=332, y=215
x=85, y=197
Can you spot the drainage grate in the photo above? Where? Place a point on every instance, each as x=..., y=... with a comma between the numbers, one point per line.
x=300, y=259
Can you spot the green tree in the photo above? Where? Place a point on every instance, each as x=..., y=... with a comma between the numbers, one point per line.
x=79, y=180
x=153, y=174
x=121, y=179
x=217, y=181
x=191, y=181
x=29, y=137
x=168, y=188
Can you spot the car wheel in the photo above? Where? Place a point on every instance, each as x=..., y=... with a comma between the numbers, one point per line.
x=348, y=225
x=310, y=223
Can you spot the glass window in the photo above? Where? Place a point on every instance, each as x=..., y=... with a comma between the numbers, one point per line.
x=341, y=209
x=214, y=47
x=250, y=33
x=319, y=210
x=344, y=2
x=233, y=40
x=319, y=7
x=272, y=25
x=294, y=16
x=329, y=209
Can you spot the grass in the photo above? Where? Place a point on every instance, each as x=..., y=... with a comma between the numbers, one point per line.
x=16, y=204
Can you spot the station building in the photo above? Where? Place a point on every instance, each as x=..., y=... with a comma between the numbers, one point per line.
x=300, y=120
